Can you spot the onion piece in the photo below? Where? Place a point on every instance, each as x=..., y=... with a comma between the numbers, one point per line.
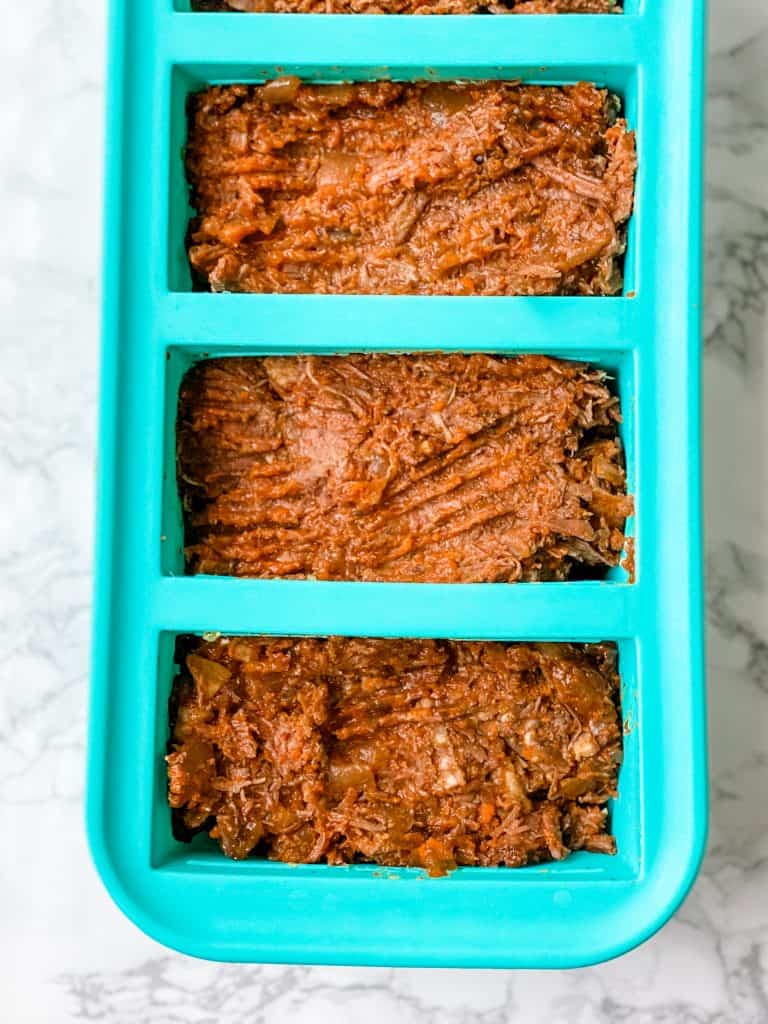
x=335, y=168
x=280, y=90
x=209, y=676
x=446, y=98
x=338, y=94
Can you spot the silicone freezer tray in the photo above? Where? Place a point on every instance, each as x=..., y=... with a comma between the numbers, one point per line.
x=582, y=910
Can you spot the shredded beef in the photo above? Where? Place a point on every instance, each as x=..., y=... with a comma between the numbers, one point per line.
x=427, y=468
x=488, y=188
x=412, y=6
x=400, y=752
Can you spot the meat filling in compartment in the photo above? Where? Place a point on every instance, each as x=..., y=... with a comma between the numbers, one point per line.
x=431, y=753
x=488, y=188
x=424, y=468
x=412, y=6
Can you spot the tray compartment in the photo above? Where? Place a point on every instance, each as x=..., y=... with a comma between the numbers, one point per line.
x=203, y=853
x=618, y=365
x=188, y=80
x=629, y=7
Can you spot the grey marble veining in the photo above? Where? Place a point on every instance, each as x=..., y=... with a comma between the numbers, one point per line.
x=737, y=219
x=66, y=954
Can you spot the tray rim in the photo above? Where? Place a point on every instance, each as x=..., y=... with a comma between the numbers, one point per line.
x=113, y=306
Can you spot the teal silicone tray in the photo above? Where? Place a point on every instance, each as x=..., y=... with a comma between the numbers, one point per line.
x=589, y=907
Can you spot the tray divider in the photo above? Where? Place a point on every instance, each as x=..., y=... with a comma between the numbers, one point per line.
x=579, y=611
x=382, y=322
x=471, y=45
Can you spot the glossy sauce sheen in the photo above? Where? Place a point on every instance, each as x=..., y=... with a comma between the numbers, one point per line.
x=488, y=188
x=429, y=468
x=400, y=752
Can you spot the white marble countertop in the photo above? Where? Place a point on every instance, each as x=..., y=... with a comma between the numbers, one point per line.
x=66, y=953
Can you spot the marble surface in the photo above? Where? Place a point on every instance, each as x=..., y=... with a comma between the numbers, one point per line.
x=66, y=954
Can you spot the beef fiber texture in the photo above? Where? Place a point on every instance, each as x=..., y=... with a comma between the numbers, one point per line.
x=480, y=188
x=431, y=753
x=428, y=467
x=411, y=6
